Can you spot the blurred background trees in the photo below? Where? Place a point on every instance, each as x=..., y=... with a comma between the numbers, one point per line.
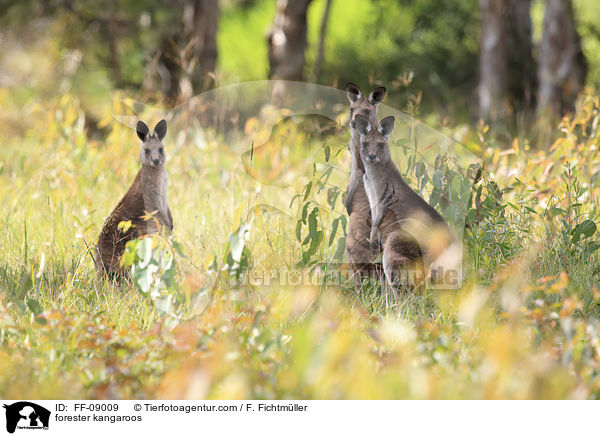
x=287, y=40
x=506, y=65
x=186, y=59
x=563, y=67
x=508, y=62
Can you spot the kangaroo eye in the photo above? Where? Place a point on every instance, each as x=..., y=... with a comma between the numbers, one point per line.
x=365, y=144
x=147, y=150
x=381, y=144
x=366, y=112
x=160, y=150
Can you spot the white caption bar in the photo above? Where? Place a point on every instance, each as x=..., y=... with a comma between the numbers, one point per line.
x=24, y=417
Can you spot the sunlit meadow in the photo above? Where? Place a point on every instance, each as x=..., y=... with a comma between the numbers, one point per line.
x=198, y=325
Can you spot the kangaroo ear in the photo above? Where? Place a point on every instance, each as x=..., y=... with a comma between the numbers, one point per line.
x=377, y=95
x=353, y=92
x=386, y=126
x=142, y=130
x=161, y=129
x=362, y=124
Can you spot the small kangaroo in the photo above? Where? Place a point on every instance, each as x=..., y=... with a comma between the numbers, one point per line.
x=358, y=250
x=147, y=194
x=410, y=230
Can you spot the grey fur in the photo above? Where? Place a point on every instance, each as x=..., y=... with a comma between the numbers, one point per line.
x=390, y=197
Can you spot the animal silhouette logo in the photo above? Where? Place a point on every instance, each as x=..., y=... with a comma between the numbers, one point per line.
x=26, y=415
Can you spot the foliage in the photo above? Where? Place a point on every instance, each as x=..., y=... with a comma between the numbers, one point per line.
x=151, y=261
x=525, y=324
x=381, y=41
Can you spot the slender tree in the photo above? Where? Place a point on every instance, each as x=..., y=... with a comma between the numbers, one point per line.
x=522, y=78
x=287, y=40
x=188, y=52
x=562, y=65
x=507, y=67
x=493, y=58
x=322, y=33
x=200, y=23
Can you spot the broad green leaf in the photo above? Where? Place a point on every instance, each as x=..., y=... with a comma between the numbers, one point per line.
x=167, y=261
x=299, y=230
x=583, y=230
x=164, y=304
x=591, y=248
x=437, y=179
x=144, y=251
x=419, y=169
x=307, y=190
x=334, y=227
x=237, y=241
x=34, y=306
x=129, y=254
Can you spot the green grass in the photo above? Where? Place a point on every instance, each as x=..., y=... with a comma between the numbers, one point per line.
x=522, y=326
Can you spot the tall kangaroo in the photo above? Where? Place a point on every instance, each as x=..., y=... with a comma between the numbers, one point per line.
x=147, y=194
x=358, y=251
x=411, y=231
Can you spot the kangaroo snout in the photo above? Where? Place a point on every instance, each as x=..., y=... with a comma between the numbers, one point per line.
x=155, y=162
x=372, y=157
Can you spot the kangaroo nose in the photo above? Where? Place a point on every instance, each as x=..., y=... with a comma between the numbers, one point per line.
x=372, y=157
x=156, y=162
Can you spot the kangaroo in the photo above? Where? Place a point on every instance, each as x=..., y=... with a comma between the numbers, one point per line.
x=147, y=194
x=358, y=251
x=411, y=231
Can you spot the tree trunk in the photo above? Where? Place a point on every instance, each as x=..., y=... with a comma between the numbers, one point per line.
x=507, y=68
x=168, y=68
x=322, y=33
x=522, y=80
x=203, y=30
x=493, y=59
x=287, y=40
x=562, y=65
x=188, y=52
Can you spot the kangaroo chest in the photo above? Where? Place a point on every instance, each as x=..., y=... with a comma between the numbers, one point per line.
x=360, y=200
x=371, y=191
x=154, y=190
